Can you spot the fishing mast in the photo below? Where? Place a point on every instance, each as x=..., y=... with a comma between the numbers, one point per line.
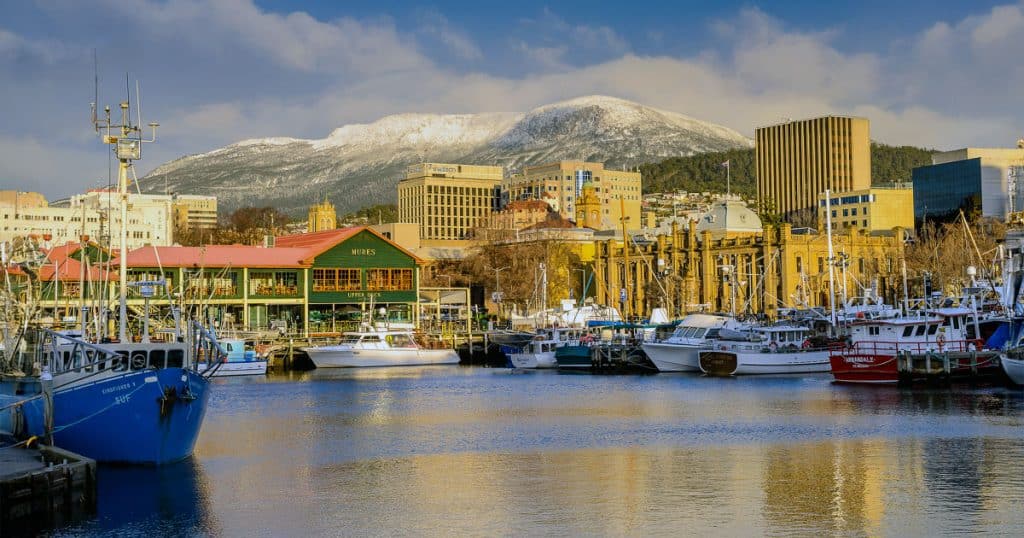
x=126, y=141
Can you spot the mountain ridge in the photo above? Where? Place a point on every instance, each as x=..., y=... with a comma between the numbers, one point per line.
x=361, y=163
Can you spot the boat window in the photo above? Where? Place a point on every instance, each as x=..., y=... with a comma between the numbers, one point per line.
x=401, y=340
x=932, y=329
x=227, y=347
x=120, y=364
x=66, y=361
x=712, y=333
x=138, y=360
x=920, y=330
x=156, y=358
x=175, y=358
x=956, y=322
x=908, y=330
x=781, y=337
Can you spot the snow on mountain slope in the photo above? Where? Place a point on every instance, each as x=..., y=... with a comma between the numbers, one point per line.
x=360, y=164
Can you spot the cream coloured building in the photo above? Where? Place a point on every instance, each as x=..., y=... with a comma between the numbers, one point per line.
x=796, y=161
x=94, y=214
x=448, y=201
x=560, y=184
x=193, y=211
x=989, y=180
x=878, y=209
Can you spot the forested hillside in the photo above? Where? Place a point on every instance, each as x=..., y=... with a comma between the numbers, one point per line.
x=704, y=171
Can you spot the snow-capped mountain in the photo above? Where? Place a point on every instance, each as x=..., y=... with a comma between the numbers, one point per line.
x=358, y=165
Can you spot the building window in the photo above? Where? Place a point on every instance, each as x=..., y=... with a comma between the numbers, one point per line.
x=389, y=279
x=336, y=279
x=853, y=212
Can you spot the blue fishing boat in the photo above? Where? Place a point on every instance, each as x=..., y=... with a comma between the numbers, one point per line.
x=128, y=399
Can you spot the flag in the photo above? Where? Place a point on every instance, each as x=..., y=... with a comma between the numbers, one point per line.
x=725, y=164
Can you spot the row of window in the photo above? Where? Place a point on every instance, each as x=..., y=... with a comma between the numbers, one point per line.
x=351, y=279
x=856, y=199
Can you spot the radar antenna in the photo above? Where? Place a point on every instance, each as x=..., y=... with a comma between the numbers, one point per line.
x=127, y=148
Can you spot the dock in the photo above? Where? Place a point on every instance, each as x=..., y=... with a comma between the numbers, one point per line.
x=44, y=488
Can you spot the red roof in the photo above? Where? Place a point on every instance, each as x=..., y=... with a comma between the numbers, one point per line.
x=290, y=251
x=317, y=242
x=217, y=256
x=68, y=269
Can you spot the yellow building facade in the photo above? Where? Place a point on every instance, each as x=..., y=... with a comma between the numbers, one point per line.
x=872, y=210
x=798, y=160
x=448, y=201
x=689, y=271
x=618, y=192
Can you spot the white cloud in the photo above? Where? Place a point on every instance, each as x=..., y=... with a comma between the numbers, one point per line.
x=294, y=41
x=228, y=70
x=433, y=25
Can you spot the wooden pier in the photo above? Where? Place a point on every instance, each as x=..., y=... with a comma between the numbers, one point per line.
x=44, y=488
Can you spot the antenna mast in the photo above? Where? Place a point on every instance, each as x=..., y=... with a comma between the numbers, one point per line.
x=127, y=149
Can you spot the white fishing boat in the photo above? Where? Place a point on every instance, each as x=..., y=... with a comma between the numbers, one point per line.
x=779, y=349
x=679, y=352
x=241, y=359
x=540, y=352
x=378, y=348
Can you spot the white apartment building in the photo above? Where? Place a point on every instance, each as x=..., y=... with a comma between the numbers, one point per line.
x=95, y=214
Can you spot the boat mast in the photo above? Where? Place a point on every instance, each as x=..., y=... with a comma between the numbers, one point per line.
x=831, y=258
x=127, y=149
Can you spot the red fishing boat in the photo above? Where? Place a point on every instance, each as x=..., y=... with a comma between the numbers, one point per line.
x=935, y=343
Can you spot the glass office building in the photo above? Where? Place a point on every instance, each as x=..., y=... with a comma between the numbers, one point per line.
x=941, y=190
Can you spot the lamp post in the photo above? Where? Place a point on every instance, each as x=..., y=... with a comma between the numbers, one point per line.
x=583, y=284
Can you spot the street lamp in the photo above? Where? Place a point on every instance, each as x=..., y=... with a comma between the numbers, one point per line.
x=583, y=284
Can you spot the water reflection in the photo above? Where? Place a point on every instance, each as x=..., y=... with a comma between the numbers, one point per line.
x=169, y=500
x=449, y=450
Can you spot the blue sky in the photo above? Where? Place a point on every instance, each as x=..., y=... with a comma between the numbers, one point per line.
x=936, y=74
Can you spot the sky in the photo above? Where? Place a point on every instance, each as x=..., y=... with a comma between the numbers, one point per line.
x=934, y=74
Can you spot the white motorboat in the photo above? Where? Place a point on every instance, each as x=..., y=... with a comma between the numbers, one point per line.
x=780, y=349
x=378, y=348
x=241, y=359
x=679, y=352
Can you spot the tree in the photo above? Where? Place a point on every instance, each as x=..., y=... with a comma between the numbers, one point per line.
x=375, y=214
x=520, y=270
x=246, y=225
x=944, y=251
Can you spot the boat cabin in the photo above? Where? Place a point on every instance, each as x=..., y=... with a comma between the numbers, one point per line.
x=949, y=329
x=379, y=340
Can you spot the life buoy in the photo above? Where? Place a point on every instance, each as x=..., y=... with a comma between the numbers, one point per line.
x=806, y=344
x=940, y=340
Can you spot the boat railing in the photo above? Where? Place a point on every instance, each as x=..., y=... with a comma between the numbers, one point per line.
x=204, y=344
x=53, y=353
x=875, y=347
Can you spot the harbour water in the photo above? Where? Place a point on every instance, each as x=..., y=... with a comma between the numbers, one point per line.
x=454, y=451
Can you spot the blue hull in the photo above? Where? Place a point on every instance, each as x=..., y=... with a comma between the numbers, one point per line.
x=142, y=417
